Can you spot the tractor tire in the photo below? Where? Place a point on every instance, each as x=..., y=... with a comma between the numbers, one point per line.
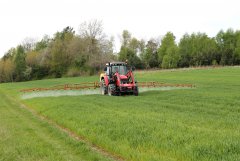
x=111, y=89
x=103, y=88
x=136, y=92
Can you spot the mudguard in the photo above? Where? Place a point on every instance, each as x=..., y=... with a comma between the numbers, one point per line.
x=106, y=80
x=101, y=76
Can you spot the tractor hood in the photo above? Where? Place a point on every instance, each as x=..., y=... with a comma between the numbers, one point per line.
x=123, y=77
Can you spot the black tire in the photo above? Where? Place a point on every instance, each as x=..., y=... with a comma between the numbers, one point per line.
x=111, y=89
x=136, y=92
x=103, y=88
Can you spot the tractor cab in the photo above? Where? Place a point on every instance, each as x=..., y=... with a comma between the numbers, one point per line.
x=116, y=67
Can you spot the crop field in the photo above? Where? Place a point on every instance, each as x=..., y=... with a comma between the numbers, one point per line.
x=201, y=123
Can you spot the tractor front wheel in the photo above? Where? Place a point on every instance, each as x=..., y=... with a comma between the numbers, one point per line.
x=103, y=88
x=135, y=92
x=111, y=89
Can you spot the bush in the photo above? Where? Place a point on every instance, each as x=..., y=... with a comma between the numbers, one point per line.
x=83, y=71
x=214, y=63
x=73, y=72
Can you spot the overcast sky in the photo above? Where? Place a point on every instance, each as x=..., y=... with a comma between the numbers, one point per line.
x=20, y=19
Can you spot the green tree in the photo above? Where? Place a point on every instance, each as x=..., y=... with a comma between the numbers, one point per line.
x=171, y=59
x=129, y=49
x=205, y=49
x=20, y=63
x=42, y=44
x=150, y=56
x=134, y=45
x=236, y=53
x=142, y=46
x=128, y=54
x=167, y=41
x=60, y=57
x=126, y=38
x=196, y=50
x=166, y=63
x=9, y=69
x=169, y=50
x=226, y=42
x=2, y=78
x=185, y=50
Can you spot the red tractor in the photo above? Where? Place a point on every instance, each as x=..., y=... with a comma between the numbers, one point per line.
x=118, y=79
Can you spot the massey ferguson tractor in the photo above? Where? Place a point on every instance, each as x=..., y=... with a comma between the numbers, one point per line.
x=118, y=79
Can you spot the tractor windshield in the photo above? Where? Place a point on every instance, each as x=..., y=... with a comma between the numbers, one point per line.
x=121, y=69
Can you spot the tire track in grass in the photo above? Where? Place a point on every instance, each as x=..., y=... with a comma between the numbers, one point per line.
x=67, y=131
x=46, y=139
x=37, y=139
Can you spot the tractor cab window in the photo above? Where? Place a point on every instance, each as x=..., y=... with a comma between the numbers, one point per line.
x=121, y=69
x=115, y=69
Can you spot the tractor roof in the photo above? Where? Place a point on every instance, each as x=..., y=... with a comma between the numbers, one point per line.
x=117, y=63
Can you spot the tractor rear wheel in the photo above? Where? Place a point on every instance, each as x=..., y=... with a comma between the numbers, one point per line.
x=111, y=89
x=103, y=88
x=135, y=92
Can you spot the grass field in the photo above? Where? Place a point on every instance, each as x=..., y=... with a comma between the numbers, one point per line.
x=188, y=124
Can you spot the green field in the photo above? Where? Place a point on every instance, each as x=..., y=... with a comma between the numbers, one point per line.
x=202, y=123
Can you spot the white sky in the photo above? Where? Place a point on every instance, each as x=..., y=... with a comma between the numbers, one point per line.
x=20, y=19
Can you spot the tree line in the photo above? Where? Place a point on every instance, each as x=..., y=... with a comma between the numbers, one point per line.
x=85, y=53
